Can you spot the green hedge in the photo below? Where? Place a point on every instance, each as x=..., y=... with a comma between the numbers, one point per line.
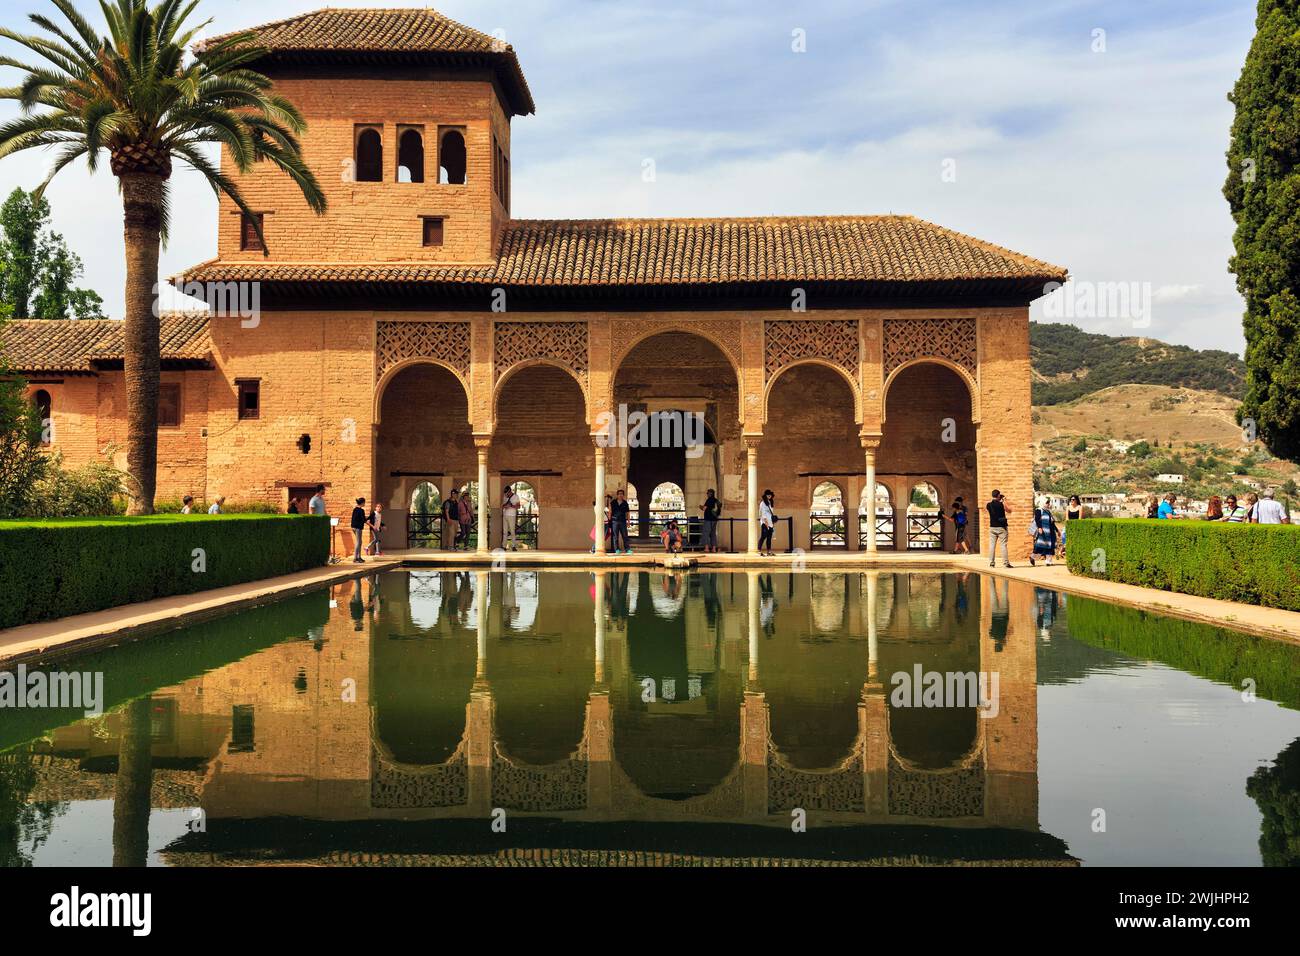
x=1250, y=563
x=54, y=568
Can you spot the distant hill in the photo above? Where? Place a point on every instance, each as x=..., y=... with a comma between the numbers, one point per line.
x=1069, y=363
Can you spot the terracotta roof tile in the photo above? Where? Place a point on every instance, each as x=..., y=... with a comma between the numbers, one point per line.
x=333, y=33
x=76, y=345
x=630, y=252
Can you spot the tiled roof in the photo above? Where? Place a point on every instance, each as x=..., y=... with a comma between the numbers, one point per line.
x=77, y=345
x=652, y=252
x=334, y=33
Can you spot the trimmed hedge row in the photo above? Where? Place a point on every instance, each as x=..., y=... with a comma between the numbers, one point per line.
x=1250, y=563
x=50, y=569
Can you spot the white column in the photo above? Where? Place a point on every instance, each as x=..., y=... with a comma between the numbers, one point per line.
x=873, y=639
x=753, y=624
x=598, y=510
x=481, y=622
x=482, y=497
x=751, y=492
x=871, y=499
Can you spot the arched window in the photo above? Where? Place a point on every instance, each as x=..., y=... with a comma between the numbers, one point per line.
x=826, y=527
x=924, y=526
x=410, y=157
x=44, y=405
x=451, y=158
x=423, y=523
x=370, y=156
x=527, y=517
x=884, y=518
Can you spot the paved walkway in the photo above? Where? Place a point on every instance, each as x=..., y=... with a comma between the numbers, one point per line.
x=101, y=627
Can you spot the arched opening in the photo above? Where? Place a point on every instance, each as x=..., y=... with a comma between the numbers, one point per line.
x=424, y=526
x=811, y=433
x=469, y=532
x=826, y=517
x=369, y=156
x=44, y=411
x=882, y=513
x=634, y=510
x=676, y=395
x=928, y=438
x=543, y=439
x=924, y=525
x=424, y=436
x=410, y=157
x=451, y=158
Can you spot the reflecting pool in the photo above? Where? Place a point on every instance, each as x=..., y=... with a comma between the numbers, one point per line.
x=661, y=718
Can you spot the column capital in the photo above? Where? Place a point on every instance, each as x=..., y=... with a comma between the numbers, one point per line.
x=752, y=441
x=870, y=442
x=482, y=440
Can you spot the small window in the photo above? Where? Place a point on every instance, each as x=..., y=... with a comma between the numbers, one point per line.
x=433, y=231
x=250, y=400
x=249, y=241
x=370, y=156
x=410, y=157
x=451, y=157
x=243, y=734
x=169, y=404
x=44, y=409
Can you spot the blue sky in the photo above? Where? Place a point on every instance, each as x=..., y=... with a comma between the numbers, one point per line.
x=1109, y=162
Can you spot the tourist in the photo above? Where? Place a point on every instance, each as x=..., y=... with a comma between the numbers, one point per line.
x=766, y=523
x=376, y=525
x=1252, y=508
x=216, y=505
x=672, y=537
x=1270, y=511
x=509, y=517
x=293, y=506
x=316, y=505
x=960, y=520
x=451, y=522
x=712, y=509
x=1153, y=507
x=187, y=505
x=1073, y=512
x=1044, y=532
x=618, y=513
x=1214, y=509
x=607, y=515
x=1167, y=507
x=1233, y=512
x=358, y=529
x=998, y=510
x=466, y=505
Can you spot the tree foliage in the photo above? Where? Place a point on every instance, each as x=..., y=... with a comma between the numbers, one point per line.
x=35, y=262
x=1263, y=192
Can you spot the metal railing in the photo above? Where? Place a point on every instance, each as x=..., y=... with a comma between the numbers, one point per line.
x=527, y=530
x=884, y=532
x=423, y=531
x=730, y=539
x=827, y=531
x=924, y=532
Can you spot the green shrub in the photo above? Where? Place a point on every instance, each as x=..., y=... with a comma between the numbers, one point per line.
x=53, y=568
x=91, y=491
x=1250, y=563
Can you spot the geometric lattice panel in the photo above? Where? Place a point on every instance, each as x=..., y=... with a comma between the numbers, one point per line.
x=563, y=342
x=936, y=794
x=448, y=342
x=833, y=341
x=951, y=339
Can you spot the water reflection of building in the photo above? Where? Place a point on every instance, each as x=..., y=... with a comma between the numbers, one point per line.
x=442, y=707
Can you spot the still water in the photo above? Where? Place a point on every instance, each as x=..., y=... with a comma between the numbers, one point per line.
x=646, y=718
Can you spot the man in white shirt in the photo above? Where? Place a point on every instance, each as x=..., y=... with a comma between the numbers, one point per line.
x=216, y=505
x=1269, y=511
x=509, y=515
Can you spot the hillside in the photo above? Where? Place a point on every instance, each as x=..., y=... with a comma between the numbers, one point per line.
x=1070, y=363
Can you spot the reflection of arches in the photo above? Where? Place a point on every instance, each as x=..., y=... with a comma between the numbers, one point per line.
x=410, y=156
x=451, y=158
x=369, y=156
x=822, y=363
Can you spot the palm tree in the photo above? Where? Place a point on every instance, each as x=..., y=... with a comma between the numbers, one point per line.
x=138, y=95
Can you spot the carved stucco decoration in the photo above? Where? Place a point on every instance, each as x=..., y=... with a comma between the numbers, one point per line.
x=562, y=342
x=952, y=339
x=797, y=340
x=446, y=342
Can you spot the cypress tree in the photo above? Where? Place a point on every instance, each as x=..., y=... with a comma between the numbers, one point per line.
x=1263, y=191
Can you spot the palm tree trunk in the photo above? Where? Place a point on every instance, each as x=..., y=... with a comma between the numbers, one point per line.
x=142, y=195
